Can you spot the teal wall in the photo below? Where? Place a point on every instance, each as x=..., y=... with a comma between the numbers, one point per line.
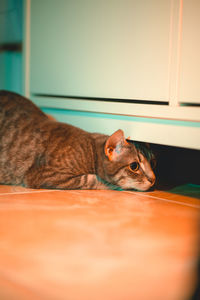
x=11, y=71
x=11, y=31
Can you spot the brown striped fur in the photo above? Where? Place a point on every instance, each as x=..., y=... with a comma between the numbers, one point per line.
x=38, y=152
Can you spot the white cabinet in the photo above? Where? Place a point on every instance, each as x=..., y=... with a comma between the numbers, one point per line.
x=107, y=49
x=190, y=53
x=133, y=62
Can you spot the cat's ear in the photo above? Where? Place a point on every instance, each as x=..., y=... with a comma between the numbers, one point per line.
x=114, y=145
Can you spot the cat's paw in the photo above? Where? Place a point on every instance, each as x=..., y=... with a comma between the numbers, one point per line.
x=107, y=185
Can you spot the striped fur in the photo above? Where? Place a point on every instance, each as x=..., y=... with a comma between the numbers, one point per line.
x=38, y=152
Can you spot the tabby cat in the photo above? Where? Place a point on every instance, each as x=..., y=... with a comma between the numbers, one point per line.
x=37, y=152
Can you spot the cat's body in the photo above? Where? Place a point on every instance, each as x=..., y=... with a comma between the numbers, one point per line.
x=40, y=153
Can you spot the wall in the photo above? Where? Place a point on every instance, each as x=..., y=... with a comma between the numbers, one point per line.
x=11, y=37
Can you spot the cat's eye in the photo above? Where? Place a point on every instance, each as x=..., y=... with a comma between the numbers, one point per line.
x=133, y=167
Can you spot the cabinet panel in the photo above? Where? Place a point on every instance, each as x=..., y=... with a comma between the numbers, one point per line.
x=166, y=132
x=190, y=50
x=109, y=49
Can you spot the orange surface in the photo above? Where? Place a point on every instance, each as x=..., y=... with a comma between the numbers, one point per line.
x=111, y=245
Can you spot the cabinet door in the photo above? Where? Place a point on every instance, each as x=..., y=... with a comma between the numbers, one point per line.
x=107, y=49
x=190, y=53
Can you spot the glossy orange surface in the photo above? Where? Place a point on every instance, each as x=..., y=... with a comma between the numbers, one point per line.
x=111, y=245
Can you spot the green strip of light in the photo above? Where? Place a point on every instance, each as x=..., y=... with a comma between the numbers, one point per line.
x=119, y=117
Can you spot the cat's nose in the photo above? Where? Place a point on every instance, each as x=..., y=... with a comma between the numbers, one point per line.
x=152, y=180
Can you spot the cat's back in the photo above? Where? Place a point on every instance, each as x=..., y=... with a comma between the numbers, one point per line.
x=21, y=136
x=14, y=106
x=28, y=137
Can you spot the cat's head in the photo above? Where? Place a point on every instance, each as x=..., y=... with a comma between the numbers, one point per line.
x=126, y=164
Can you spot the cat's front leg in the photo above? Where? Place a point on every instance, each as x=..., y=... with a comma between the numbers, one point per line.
x=47, y=178
x=86, y=182
x=93, y=182
x=83, y=182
